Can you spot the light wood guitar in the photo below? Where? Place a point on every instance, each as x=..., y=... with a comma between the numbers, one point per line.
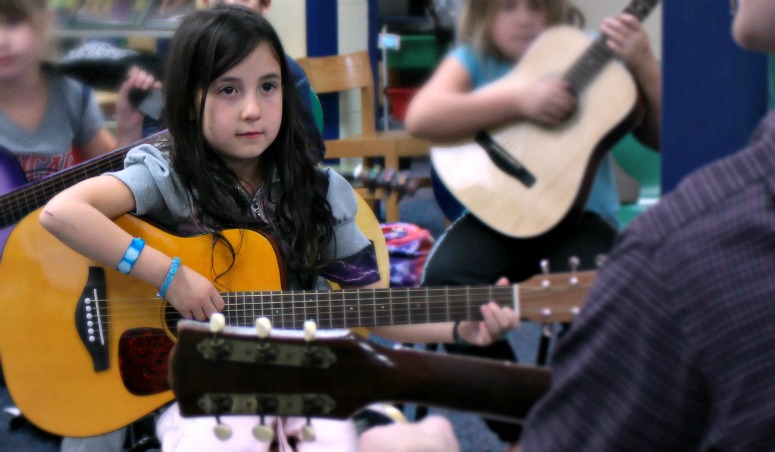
x=85, y=348
x=525, y=179
x=336, y=374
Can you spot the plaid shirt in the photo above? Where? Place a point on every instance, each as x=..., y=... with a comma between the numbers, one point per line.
x=675, y=346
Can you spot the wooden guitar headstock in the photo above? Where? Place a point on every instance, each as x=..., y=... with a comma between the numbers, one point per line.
x=335, y=374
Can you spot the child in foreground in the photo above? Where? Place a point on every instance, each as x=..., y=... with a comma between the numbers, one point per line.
x=238, y=158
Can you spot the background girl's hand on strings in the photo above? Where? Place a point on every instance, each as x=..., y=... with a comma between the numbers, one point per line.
x=548, y=102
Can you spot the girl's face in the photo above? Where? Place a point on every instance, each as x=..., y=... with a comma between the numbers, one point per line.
x=515, y=26
x=20, y=47
x=243, y=110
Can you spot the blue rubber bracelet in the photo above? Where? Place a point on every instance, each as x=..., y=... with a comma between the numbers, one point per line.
x=456, y=335
x=170, y=276
x=131, y=255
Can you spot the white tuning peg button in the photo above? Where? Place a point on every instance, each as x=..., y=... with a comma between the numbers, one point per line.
x=310, y=328
x=308, y=433
x=222, y=431
x=263, y=433
x=217, y=322
x=263, y=327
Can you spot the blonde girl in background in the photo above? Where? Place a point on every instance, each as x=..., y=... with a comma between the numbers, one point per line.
x=238, y=158
x=468, y=93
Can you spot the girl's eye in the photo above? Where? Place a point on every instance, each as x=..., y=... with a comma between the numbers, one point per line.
x=268, y=86
x=228, y=90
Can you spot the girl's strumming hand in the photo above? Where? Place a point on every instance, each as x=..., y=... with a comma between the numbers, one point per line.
x=193, y=295
x=548, y=102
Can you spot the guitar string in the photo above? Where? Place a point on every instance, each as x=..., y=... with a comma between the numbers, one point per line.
x=369, y=297
x=44, y=189
x=336, y=320
x=29, y=197
x=335, y=311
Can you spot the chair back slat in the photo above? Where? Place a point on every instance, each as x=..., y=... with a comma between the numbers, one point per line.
x=340, y=73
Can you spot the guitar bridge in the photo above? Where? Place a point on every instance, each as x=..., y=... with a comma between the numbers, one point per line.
x=91, y=319
x=503, y=160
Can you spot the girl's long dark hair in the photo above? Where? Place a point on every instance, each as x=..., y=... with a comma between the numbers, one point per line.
x=206, y=45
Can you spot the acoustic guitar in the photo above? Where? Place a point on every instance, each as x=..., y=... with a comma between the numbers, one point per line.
x=524, y=179
x=85, y=348
x=336, y=374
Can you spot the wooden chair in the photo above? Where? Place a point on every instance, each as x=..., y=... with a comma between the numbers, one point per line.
x=341, y=73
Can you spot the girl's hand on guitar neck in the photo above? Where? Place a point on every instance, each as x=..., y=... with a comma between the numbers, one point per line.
x=629, y=41
x=497, y=322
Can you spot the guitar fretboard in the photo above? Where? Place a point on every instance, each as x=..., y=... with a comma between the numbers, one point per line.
x=594, y=59
x=365, y=307
x=18, y=203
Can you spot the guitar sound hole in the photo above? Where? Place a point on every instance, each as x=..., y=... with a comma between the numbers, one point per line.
x=143, y=360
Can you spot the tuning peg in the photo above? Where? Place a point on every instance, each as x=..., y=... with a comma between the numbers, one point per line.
x=263, y=432
x=310, y=328
x=545, y=270
x=573, y=263
x=308, y=432
x=221, y=430
x=263, y=327
x=217, y=322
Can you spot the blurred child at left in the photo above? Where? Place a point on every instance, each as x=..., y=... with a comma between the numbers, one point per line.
x=47, y=120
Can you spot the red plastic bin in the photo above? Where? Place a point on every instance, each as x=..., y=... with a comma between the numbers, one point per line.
x=398, y=99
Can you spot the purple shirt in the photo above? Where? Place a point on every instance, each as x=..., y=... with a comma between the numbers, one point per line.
x=675, y=346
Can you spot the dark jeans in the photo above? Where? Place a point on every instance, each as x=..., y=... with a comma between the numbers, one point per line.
x=471, y=253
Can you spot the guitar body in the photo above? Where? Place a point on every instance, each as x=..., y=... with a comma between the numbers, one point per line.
x=11, y=177
x=49, y=373
x=563, y=159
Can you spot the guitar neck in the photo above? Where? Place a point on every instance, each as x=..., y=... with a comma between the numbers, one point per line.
x=594, y=59
x=351, y=308
x=536, y=300
x=18, y=203
x=491, y=388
